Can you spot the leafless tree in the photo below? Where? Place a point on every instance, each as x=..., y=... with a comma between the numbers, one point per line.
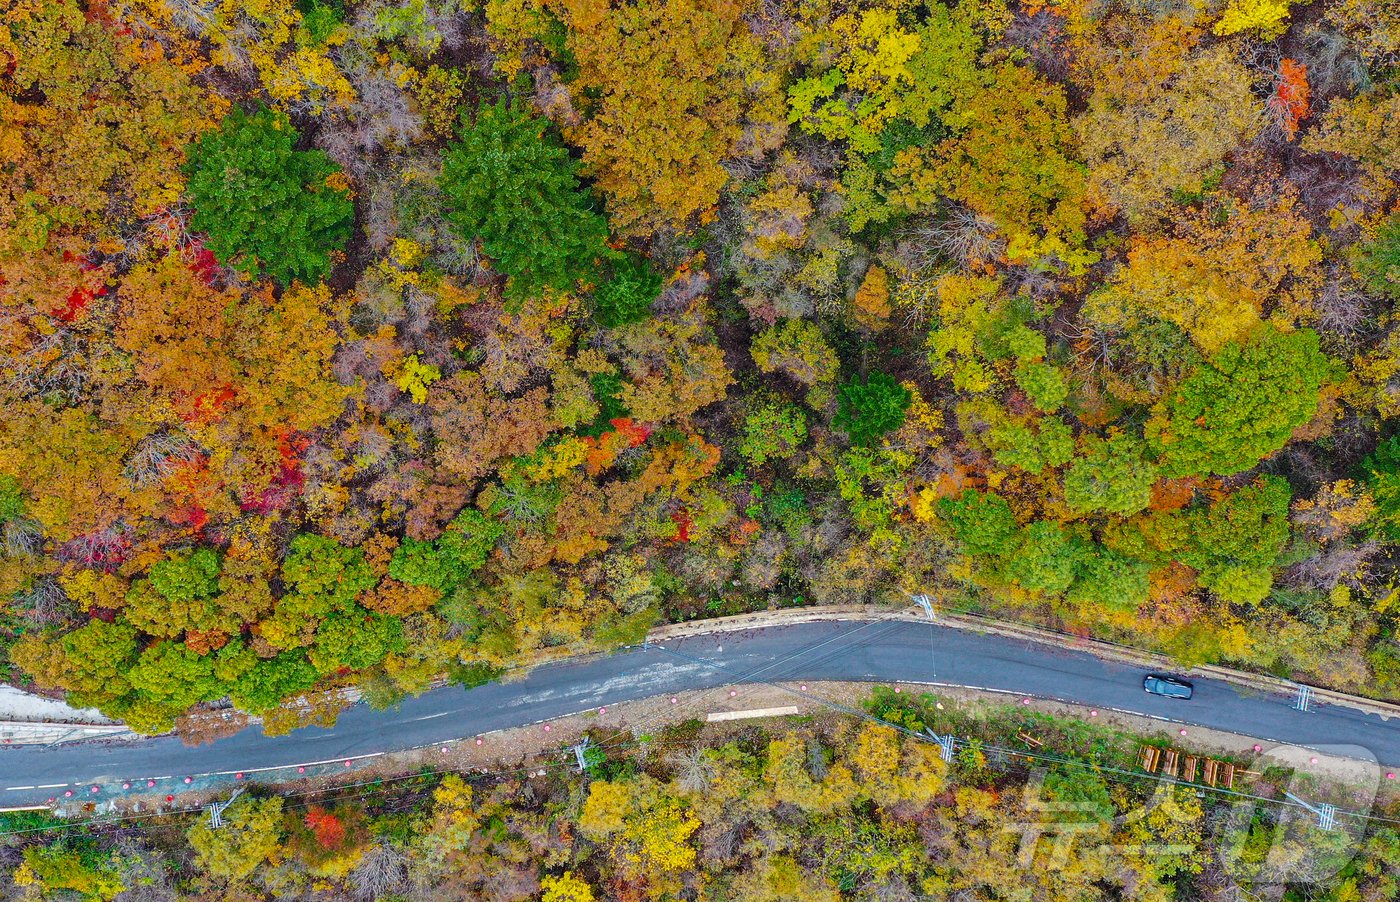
x=193, y=16
x=1334, y=66
x=1338, y=563
x=46, y=603
x=1041, y=36
x=889, y=889
x=553, y=99
x=694, y=770
x=22, y=537
x=1342, y=308
x=104, y=548
x=158, y=455
x=381, y=116
x=381, y=872
x=144, y=873
x=50, y=366
x=719, y=841
x=763, y=562
x=963, y=236
x=513, y=884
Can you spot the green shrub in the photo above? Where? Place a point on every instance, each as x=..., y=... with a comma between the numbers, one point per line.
x=512, y=185
x=263, y=688
x=1110, y=579
x=320, y=567
x=1049, y=444
x=627, y=296
x=181, y=577
x=267, y=207
x=1046, y=559
x=1378, y=260
x=1111, y=476
x=772, y=430
x=11, y=498
x=867, y=410
x=321, y=18
x=1043, y=384
x=1241, y=406
x=448, y=561
x=983, y=523
x=1382, y=469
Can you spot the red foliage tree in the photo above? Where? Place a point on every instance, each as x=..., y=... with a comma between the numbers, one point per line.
x=328, y=829
x=1289, y=104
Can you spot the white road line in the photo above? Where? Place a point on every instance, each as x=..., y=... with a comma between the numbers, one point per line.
x=51, y=785
x=258, y=770
x=431, y=716
x=17, y=788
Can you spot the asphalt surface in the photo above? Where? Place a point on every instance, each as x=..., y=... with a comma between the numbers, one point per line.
x=879, y=651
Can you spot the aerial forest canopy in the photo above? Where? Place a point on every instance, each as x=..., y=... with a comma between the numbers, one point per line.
x=366, y=342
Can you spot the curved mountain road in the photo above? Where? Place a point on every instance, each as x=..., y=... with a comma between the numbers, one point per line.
x=872, y=650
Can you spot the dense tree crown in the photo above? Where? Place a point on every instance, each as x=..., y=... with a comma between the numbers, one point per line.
x=268, y=207
x=511, y=185
x=357, y=343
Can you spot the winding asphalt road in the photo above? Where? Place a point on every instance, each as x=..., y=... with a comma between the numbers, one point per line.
x=831, y=650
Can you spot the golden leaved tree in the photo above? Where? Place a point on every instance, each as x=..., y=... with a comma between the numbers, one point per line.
x=674, y=80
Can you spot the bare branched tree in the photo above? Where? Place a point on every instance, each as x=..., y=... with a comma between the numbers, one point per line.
x=381, y=116
x=158, y=455
x=1342, y=308
x=380, y=873
x=1334, y=565
x=144, y=873
x=694, y=769
x=45, y=603
x=964, y=236
x=22, y=537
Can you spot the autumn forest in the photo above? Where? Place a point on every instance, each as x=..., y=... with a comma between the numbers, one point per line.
x=363, y=343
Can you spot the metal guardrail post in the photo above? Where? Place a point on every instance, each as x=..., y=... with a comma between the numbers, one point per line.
x=216, y=810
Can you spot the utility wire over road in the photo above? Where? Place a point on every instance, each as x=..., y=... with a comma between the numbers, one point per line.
x=883, y=651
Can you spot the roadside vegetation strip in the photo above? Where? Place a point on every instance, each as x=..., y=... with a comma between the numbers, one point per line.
x=982, y=731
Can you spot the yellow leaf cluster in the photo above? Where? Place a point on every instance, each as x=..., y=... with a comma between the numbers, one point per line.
x=565, y=888
x=414, y=376
x=1267, y=18
x=568, y=454
x=966, y=304
x=1218, y=281
x=872, y=300
x=269, y=35
x=670, y=103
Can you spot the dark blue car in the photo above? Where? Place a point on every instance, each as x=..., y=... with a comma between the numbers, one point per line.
x=1167, y=686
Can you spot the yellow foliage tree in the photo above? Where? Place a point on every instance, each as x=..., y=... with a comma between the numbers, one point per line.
x=872, y=300
x=674, y=80
x=1145, y=140
x=454, y=817
x=252, y=833
x=92, y=121
x=1266, y=18
x=1012, y=159
x=778, y=878
x=649, y=831
x=1218, y=280
x=565, y=888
